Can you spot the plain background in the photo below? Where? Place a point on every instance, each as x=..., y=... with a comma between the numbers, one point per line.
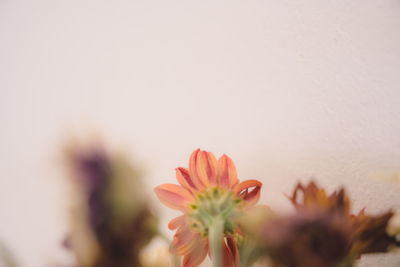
x=289, y=89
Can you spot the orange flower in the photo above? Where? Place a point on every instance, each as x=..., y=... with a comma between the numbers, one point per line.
x=209, y=188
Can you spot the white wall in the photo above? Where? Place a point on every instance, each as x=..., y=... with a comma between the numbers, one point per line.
x=288, y=89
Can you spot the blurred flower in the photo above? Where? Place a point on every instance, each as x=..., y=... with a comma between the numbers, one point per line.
x=315, y=199
x=307, y=240
x=393, y=228
x=250, y=250
x=255, y=217
x=111, y=221
x=209, y=191
x=386, y=176
x=368, y=233
x=322, y=232
x=157, y=257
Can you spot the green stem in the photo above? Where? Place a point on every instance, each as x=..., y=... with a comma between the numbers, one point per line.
x=176, y=258
x=216, y=233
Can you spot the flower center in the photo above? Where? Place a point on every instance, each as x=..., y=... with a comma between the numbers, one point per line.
x=212, y=203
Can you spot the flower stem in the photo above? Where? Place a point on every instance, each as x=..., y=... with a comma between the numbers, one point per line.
x=176, y=258
x=216, y=232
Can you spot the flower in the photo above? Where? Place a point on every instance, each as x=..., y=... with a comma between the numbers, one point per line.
x=322, y=232
x=306, y=240
x=157, y=257
x=368, y=233
x=110, y=221
x=394, y=225
x=315, y=199
x=210, y=188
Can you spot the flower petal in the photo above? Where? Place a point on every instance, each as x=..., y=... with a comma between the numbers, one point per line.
x=227, y=175
x=193, y=170
x=177, y=222
x=242, y=191
x=183, y=177
x=230, y=253
x=173, y=196
x=183, y=240
x=196, y=255
x=186, y=240
x=206, y=167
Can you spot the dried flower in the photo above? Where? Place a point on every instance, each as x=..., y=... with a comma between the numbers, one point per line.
x=368, y=233
x=315, y=199
x=307, y=240
x=111, y=222
x=211, y=197
x=322, y=232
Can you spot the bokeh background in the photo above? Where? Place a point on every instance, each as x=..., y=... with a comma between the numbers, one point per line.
x=289, y=89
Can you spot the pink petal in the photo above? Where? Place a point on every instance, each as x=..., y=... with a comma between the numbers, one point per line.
x=193, y=170
x=206, y=167
x=183, y=177
x=173, y=196
x=197, y=254
x=227, y=176
x=186, y=240
x=242, y=190
x=177, y=222
x=183, y=239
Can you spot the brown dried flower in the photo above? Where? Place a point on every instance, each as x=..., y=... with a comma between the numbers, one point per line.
x=322, y=232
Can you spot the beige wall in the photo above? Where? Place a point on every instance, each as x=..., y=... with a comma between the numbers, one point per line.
x=289, y=89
